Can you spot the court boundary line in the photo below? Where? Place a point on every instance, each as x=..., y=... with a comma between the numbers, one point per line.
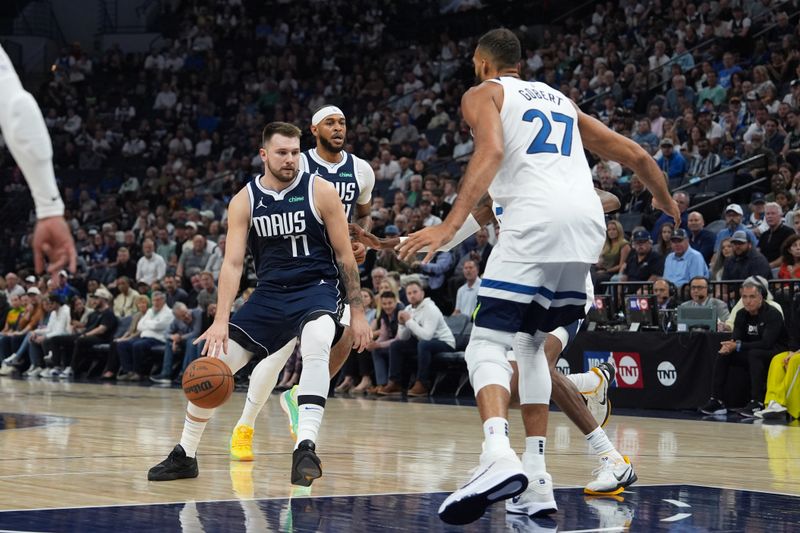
x=272, y=498
x=760, y=491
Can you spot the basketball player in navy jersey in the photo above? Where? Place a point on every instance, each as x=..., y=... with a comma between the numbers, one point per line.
x=295, y=227
x=354, y=179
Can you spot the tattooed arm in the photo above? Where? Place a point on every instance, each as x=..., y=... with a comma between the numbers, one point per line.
x=329, y=207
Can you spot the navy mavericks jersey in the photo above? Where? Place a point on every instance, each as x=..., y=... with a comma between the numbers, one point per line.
x=343, y=175
x=287, y=238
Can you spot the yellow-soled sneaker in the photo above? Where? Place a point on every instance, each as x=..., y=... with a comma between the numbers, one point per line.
x=242, y=443
x=242, y=479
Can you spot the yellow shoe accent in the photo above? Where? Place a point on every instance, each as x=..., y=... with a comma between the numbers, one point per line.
x=242, y=479
x=595, y=493
x=242, y=443
x=602, y=379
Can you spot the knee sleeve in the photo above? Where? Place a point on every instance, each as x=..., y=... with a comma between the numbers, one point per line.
x=534, y=373
x=316, y=339
x=486, y=359
x=264, y=375
x=562, y=335
x=236, y=357
x=315, y=348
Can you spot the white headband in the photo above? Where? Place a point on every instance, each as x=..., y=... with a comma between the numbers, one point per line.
x=326, y=111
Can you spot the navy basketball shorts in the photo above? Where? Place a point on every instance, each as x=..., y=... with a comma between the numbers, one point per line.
x=272, y=317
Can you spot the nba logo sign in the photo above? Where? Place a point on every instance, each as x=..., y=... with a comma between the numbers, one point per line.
x=643, y=304
x=598, y=303
x=629, y=370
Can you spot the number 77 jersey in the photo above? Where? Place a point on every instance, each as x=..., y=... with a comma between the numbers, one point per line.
x=551, y=213
x=287, y=237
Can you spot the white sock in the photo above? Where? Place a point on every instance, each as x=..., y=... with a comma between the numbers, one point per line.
x=190, y=438
x=495, y=434
x=252, y=406
x=599, y=442
x=192, y=429
x=587, y=382
x=308, y=422
x=533, y=458
x=262, y=381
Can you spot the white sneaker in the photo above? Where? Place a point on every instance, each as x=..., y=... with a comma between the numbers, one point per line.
x=6, y=369
x=33, y=372
x=537, y=500
x=67, y=373
x=517, y=523
x=598, y=401
x=612, y=512
x=499, y=476
x=12, y=359
x=773, y=411
x=611, y=477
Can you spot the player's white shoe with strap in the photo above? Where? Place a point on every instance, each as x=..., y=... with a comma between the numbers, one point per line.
x=611, y=477
x=537, y=500
x=499, y=476
x=598, y=401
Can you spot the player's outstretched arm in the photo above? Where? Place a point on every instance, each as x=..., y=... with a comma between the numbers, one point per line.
x=216, y=336
x=363, y=218
x=329, y=207
x=611, y=145
x=480, y=107
x=29, y=142
x=363, y=223
x=481, y=215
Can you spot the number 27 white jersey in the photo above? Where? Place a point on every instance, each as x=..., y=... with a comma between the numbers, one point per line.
x=551, y=212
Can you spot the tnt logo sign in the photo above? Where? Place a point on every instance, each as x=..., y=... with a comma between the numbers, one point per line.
x=629, y=370
x=667, y=373
x=563, y=366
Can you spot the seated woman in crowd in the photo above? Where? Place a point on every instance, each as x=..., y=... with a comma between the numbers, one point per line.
x=112, y=363
x=790, y=252
x=613, y=256
x=359, y=365
x=718, y=263
x=664, y=246
x=387, y=325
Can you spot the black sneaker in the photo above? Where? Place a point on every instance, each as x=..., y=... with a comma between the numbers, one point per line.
x=306, y=466
x=175, y=466
x=749, y=410
x=714, y=407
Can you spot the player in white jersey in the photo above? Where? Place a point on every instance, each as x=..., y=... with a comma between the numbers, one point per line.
x=529, y=141
x=26, y=135
x=354, y=180
x=583, y=397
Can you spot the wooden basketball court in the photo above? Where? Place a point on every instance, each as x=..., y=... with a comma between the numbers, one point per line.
x=89, y=446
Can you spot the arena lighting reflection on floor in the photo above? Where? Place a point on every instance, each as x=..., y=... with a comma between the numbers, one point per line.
x=645, y=508
x=21, y=420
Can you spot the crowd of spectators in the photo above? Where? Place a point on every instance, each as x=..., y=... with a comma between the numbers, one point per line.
x=150, y=147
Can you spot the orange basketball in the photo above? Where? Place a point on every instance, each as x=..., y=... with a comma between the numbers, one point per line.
x=208, y=382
